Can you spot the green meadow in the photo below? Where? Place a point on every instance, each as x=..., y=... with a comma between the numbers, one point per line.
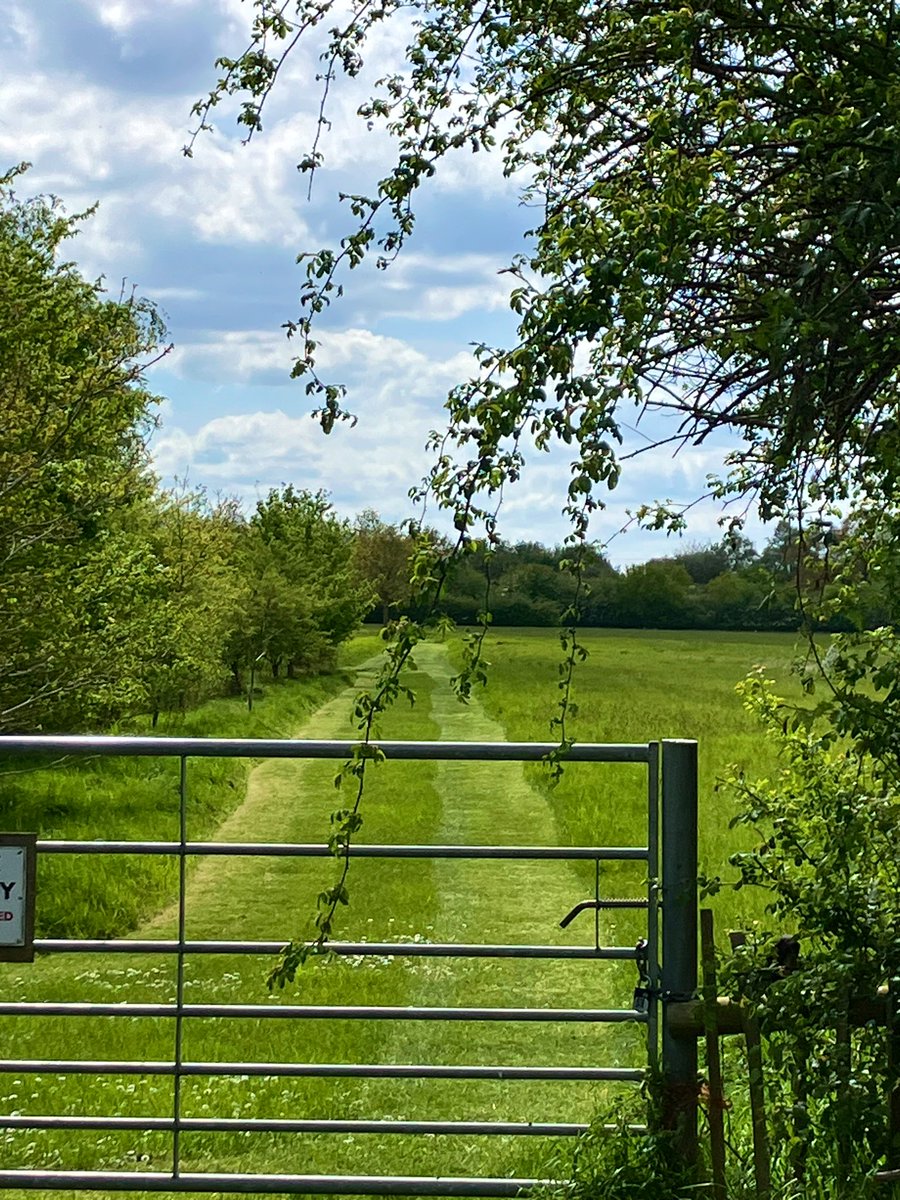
x=634, y=687
x=638, y=686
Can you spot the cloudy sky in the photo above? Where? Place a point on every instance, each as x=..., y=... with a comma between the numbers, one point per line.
x=96, y=94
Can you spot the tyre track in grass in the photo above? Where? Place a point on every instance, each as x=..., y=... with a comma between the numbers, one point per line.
x=223, y=893
x=505, y=901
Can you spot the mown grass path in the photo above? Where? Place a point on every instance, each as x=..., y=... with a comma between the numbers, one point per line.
x=436, y=900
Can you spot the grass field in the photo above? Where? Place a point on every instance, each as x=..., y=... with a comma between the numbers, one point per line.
x=634, y=687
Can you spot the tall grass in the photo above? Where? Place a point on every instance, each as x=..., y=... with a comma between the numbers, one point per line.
x=637, y=686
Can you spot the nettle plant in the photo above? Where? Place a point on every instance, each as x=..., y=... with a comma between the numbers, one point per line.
x=827, y=860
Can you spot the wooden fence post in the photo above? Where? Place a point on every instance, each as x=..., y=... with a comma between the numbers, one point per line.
x=716, y=1094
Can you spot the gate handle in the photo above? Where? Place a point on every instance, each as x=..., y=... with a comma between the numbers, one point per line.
x=579, y=908
x=601, y=904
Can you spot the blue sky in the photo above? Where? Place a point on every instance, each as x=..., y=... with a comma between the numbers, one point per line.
x=96, y=94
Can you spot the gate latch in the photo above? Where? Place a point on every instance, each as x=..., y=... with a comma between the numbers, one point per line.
x=641, y=1000
x=584, y=905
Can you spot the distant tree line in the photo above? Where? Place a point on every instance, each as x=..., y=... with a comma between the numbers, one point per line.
x=726, y=584
x=719, y=586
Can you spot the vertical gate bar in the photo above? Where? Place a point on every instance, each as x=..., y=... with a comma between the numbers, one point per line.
x=179, y=976
x=597, y=903
x=679, y=936
x=653, y=904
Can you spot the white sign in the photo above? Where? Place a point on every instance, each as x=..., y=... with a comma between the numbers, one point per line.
x=12, y=896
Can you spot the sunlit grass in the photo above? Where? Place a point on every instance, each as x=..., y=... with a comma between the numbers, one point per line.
x=133, y=799
x=635, y=687
x=638, y=686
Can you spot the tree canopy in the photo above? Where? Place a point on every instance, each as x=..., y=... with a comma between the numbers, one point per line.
x=718, y=236
x=73, y=414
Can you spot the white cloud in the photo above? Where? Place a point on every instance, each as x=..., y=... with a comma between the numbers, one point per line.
x=107, y=245
x=464, y=265
x=397, y=393
x=124, y=16
x=236, y=357
x=118, y=15
x=449, y=303
x=88, y=143
x=478, y=284
x=246, y=454
x=162, y=294
x=254, y=201
x=24, y=27
x=357, y=152
x=378, y=366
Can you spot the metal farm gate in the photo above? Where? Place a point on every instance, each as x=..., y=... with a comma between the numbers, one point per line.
x=667, y=961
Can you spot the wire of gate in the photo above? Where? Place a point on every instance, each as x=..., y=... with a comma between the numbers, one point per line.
x=178, y=1069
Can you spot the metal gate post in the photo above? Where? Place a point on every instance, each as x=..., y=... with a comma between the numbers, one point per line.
x=679, y=937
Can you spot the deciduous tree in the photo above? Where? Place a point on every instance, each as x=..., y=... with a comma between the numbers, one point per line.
x=74, y=412
x=303, y=596
x=382, y=555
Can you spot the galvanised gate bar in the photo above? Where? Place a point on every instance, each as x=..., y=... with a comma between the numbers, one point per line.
x=669, y=972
